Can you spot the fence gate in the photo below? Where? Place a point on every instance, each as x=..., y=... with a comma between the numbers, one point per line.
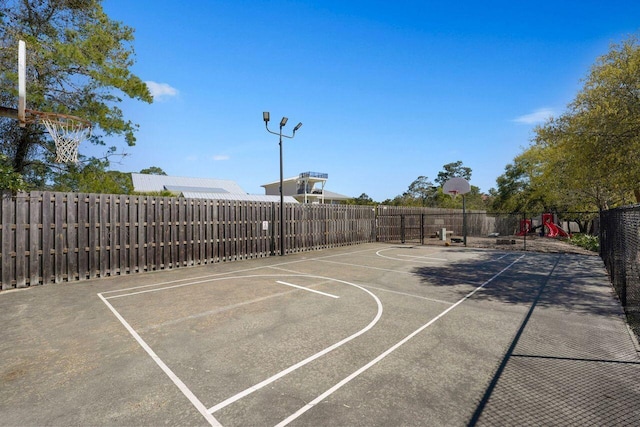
x=412, y=228
x=401, y=227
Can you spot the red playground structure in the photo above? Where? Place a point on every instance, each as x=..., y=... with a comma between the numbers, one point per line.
x=551, y=229
x=554, y=230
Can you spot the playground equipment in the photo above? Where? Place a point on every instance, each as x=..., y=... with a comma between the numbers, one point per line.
x=525, y=227
x=552, y=230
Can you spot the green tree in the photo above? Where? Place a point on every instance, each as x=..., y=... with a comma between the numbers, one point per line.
x=78, y=62
x=474, y=199
x=362, y=199
x=423, y=191
x=588, y=158
x=571, y=170
x=9, y=180
x=153, y=170
x=521, y=187
x=451, y=170
x=93, y=177
x=593, y=149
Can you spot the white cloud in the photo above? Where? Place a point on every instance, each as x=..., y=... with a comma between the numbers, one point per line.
x=220, y=157
x=539, y=116
x=159, y=90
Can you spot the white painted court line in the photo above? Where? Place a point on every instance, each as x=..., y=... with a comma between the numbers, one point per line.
x=198, y=279
x=346, y=380
x=309, y=359
x=169, y=282
x=416, y=257
x=378, y=253
x=173, y=377
x=409, y=295
x=307, y=289
x=348, y=253
x=146, y=291
x=205, y=279
x=176, y=380
x=225, y=308
x=213, y=312
x=235, y=271
x=363, y=266
x=368, y=267
x=210, y=277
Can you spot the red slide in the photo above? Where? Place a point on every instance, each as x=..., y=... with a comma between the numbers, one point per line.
x=554, y=230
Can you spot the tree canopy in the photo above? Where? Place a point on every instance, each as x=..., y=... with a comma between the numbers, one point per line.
x=78, y=62
x=153, y=170
x=423, y=192
x=93, y=177
x=453, y=170
x=362, y=199
x=588, y=158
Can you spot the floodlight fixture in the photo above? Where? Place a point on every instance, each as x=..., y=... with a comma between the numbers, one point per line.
x=283, y=122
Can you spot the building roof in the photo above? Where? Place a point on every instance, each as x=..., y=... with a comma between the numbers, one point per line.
x=293, y=178
x=335, y=196
x=145, y=183
x=240, y=197
x=310, y=176
x=200, y=188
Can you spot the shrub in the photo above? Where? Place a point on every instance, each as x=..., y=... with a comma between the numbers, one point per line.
x=586, y=241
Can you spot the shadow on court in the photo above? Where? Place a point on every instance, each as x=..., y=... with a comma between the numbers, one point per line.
x=577, y=285
x=570, y=359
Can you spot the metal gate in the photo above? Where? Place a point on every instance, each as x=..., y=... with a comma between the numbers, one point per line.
x=401, y=228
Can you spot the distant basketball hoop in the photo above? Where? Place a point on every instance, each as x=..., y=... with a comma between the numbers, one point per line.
x=456, y=186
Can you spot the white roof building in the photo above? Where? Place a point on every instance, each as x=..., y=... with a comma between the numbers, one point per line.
x=199, y=188
x=307, y=187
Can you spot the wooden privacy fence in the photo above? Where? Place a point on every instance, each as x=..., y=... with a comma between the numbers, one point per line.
x=49, y=237
x=401, y=223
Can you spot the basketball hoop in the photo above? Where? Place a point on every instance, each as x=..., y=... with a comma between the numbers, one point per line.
x=453, y=187
x=67, y=132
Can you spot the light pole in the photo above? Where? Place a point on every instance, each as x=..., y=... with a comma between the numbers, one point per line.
x=283, y=122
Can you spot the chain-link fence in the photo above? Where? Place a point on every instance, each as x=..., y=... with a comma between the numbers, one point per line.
x=516, y=231
x=620, y=251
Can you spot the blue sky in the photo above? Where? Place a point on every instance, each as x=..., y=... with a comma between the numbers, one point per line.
x=387, y=91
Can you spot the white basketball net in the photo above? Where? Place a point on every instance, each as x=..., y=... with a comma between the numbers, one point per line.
x=67, y=133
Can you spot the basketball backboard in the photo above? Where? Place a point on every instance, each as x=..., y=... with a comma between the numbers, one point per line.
x=20, y=112
x=456, y=186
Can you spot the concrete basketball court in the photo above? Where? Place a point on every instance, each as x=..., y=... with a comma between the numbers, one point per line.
x=368, y=335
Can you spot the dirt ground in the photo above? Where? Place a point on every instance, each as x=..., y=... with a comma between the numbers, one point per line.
x=518, y=243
